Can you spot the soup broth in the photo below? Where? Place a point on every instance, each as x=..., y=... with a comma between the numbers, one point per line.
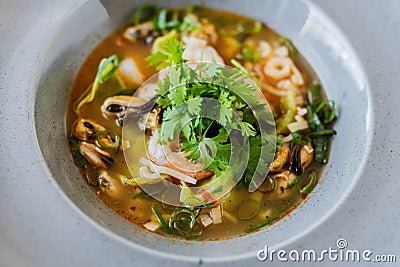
x=260, y=51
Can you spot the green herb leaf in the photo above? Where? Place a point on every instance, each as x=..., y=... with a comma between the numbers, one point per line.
x=170, y=55
x=79, y=159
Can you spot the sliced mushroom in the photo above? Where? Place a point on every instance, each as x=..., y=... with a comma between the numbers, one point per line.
x=281, y=160
x=139, y=32
x=115, y=107
x=86, y=130
x=95, y=155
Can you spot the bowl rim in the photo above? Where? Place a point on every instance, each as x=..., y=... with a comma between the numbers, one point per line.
x=207, y=259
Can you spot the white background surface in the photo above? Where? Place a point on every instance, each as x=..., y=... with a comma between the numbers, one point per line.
x=39, y=228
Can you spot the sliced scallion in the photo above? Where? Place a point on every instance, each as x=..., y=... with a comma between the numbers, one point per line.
x=181, y=229
x=329, y=111
x=312, y=179
x=108, y=139
x=315, y=90
x=325, y=132
x=138, y=16
x=162, y=19
x=262, y=223
x=297, y=139
x=271, y=218
x=298, y=179
x=249, y=26
x=247, y=209
x=161, y=219
x=174, y=22
x=268, y=185
x=321, y=144
x=184, y=223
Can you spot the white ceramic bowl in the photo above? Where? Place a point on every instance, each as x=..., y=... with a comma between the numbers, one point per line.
x=317, y=38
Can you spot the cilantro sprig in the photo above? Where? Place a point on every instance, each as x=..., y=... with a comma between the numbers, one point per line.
x=170, y=55
x=203, y=127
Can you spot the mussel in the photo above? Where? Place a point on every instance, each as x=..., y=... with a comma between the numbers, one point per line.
x=116, y=107
x=282, y=159
x=95, y=155
x=300, y=159
x=150, y=121
x=139, y=32
x=87, y=130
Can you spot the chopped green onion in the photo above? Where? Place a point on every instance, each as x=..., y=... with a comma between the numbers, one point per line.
x=310, y=118
x=248, y=54
x=262, y=223
x=268, y=185
x=307, y=189
x=315, y=90
x=271, y=218
x=162, y=19
x=138, y=15
x=321, y=105
x=174, y=22
x=161, y=219
x=329, y=112
x=247, y=209
x=161, y=22
x=107, y=68
x=189, y=24
x=297, y=180
x=313, y=120
x=325, y=132
x=297, y=139
x=108, y=139
x=321, y=149
x=249, y=26
x=184, y=223
x=181, y=229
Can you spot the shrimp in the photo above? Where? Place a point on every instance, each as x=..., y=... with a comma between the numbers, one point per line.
x=198, y=50
x=169, y=155
x=278, y=68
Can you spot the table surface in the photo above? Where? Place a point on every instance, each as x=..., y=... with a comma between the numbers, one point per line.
x=39, y=229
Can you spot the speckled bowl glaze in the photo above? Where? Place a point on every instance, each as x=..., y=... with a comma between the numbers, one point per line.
x=317, y=38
